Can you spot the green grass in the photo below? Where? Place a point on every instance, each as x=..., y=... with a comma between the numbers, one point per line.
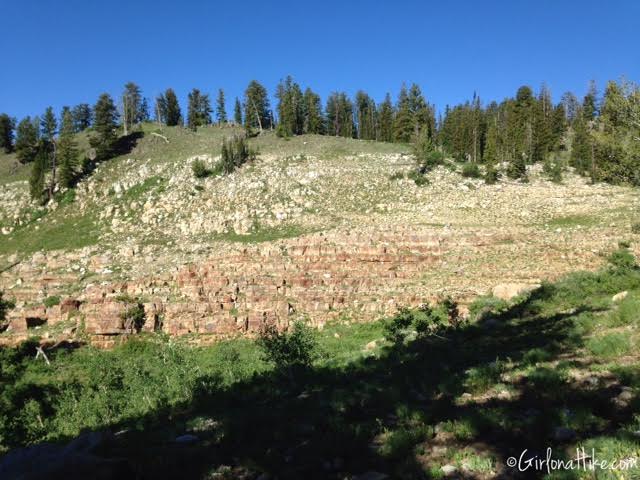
x=610, y=345
x=68, y=232
x=573, y=221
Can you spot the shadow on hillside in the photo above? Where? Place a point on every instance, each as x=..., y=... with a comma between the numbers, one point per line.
x=126, y=143
x=332, y=423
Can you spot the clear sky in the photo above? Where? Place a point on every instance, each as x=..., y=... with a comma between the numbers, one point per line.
x=68, y=52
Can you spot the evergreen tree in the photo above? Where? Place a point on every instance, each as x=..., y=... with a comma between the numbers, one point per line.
x=144, y=110
x=403, y=125
x=131, y=106
x=590, y=102
x=221, y=111
x=81, y=117
x=312, y=112
x=256, y=107
x=172, y=114
x=67, y=151
x=49, y=125
x=290, y=108
x=340, y=115
x=423, y=117
x=7, y=125
x=237, y=112
x=367, y=116
x=199, y=109
x=27, y=136
x=581, y=146
x=385, y=120
x=38, y=172
x=104, y=126
x=571, y=106
x=490, y=154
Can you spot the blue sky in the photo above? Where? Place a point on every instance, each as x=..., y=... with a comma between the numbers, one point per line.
x=67, y=52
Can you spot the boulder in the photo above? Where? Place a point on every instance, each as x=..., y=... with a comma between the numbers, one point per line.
x=507, y=291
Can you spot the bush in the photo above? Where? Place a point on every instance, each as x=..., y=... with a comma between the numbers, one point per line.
x=418, y=178
x=424, y=321
x=235, y=153
x=471, y=170
x=133, y=317
x=491, y=176
x=200, y=169
x=552, y=168
x=290, y=351
x=396, y=176
x=5, y=306
x=622, y=259
x=51, y=301
x=635, y=228
x=426, y=154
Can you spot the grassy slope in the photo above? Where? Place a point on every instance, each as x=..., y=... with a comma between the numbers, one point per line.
x=509, y=381
x=65, y=229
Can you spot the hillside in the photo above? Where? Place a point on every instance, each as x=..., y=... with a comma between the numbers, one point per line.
x=317, y=227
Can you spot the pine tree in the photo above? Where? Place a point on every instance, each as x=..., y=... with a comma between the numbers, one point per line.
x=7, y=125
x=490, y=154
x=67, y=151
x=105, y=127
x=49, y=125
x=144, y=110
x=312, y=112
x=221, y=111
x=237, y=112
x=590, y=102
x=131, y=106
x=290, y=108
x=581, y=146
x=403, y=125
x=38, y=172
x=256, y=107
x=81, y=117
x=27, y=136
x=199, y=109
x=385, y=120
x=366, y=115
x=172, y=115
x=340, y=115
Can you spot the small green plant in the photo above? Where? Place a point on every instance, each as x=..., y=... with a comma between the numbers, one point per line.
x=427, y=156
x=491, y=175
x=635, y=228
x=133, y=317
x=553, y=168
x=291, y=350
x=5, y=306
x=51, y=301
x=471, y=170
x=622, y=259
x=418, y=178
x=609, y=346
x=235, y=152
x=200, y=169
x=396, y=176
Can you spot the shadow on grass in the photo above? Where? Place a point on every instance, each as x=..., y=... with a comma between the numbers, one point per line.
x=382, y=413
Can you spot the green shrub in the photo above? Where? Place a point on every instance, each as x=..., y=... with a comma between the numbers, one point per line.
x=635, y=228
x=418, y=178
x=482, y=378
x=611, y=345
x=396, y=176
x=491, y=176
x=427, y=156
x=291, y=350
x=133, y=317
x=471, y=170
x=622, y=259
x=200, y=169
x=235, y=152
x=5, y=305
x=51, y=301
x=424, y=321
